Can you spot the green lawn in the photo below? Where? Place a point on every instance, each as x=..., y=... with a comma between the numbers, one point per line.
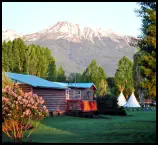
x=139, y=127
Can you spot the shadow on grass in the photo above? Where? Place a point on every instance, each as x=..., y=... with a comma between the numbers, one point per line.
x=146, y=121
x=76, y=129
x=45, y=138
x=112, y=137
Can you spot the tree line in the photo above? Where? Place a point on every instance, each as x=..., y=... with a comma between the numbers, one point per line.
x=36, y=60
x=32, y=59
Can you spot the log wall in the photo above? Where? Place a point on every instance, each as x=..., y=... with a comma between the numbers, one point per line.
x=55, y=100
x=25, y=88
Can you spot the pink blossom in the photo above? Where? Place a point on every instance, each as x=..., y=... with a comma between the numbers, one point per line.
x=4, y=90
x=22, y=116
x=4, y=99
x=31, y=103
x=44, y=107
x=19, y=98
x=28, y=105
x=5, y=108
x=31, y=100
x=30, y=94
x=8, y=89
x=35, y=95
x=25, y=96
x=29, y=97
x=24, y=100
x=15, y=95
x=27, y=112
x=41, y=102
x=40, y=98
x=36, y=104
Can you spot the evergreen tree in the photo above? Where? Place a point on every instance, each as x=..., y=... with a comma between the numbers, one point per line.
x=18, y=53
x=96, y=74
x=52, y=73
x=43, y=62
x=5, y=62
x=102, y=89
x=145, y=60
x=111, y=86
x=71, y=77
x=61, y=75
x=78, y=77
x=32, y=59
x=124, y=76
x=75, y=77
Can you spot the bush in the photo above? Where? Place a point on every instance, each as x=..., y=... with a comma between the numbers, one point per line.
x=108, y=105
x=19, y=109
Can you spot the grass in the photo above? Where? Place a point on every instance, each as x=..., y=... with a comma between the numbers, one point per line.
x=138, y=127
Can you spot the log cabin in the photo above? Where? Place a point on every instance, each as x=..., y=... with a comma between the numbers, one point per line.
x=59, y=97
x=52, y=92
x=80, y=97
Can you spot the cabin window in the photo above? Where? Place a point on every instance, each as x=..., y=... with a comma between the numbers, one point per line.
x=79, y=92
x=89, y=94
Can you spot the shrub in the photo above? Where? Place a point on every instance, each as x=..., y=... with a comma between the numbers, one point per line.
x=18, y=111
x=108, y=105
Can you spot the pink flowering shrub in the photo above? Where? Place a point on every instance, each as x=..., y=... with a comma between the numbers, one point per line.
x=19, y=109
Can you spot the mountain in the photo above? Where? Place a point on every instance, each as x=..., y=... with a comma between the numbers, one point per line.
x=74, y=46
x=9, y=35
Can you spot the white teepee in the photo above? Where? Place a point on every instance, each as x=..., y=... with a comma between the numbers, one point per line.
x=121, y=99
x=132, y=101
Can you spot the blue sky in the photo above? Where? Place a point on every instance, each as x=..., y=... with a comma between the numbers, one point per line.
x=30, y=17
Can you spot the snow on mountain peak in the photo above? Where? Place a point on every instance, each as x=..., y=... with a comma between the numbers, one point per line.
x=8, y=34
x=73, y=32
x=69, y=31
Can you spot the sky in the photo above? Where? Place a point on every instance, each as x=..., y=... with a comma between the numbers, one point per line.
x=31, y=17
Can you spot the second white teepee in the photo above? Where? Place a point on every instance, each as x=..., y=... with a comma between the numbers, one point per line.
x=132, y=101
x=121, y=99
